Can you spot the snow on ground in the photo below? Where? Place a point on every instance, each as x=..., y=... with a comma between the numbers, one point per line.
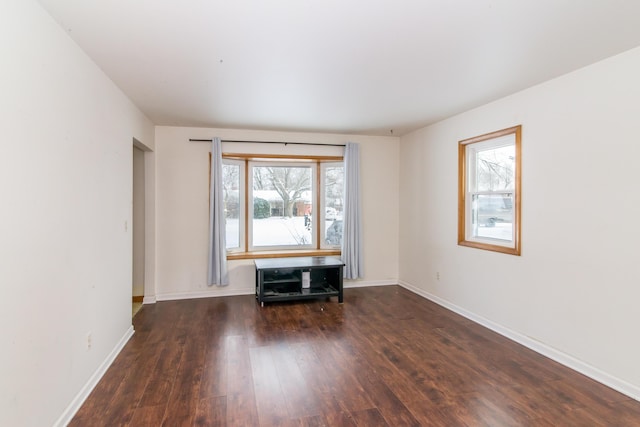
x=274, y=231
x=502, y=230
x=282, y=231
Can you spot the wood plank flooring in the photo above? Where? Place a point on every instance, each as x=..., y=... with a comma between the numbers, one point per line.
x=386, y=357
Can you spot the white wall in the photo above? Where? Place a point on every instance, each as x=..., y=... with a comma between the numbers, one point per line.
x=182, y=169
x=574, y=292
x=65, y=191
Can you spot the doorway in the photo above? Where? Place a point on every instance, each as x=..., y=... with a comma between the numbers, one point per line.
x=138, y=231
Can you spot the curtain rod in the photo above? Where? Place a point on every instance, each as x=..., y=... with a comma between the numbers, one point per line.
x=268, y=142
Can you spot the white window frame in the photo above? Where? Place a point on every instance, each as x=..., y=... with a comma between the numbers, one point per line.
x=467, y=158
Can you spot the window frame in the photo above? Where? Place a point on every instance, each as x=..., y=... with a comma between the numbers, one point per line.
x=245, y=251
x=465, y=214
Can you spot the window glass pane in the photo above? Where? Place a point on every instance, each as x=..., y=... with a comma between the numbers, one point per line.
x=493, y=216
x=282, y=201
x=495, y=168
x=231, y=194
x=333, y=186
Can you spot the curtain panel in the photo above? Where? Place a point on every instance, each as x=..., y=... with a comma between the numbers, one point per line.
x=352, y=226
x=217, y=263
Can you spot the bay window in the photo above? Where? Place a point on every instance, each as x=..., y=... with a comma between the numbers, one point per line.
x=282, y=205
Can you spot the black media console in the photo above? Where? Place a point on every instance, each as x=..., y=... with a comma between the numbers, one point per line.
x=282, y=279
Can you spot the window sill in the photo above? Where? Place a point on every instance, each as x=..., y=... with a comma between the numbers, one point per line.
x=489, y=247
x=282, y=254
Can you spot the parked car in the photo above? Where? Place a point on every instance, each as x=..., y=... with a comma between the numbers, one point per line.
x=334, y=233
x=489, y=221
x=492, y=210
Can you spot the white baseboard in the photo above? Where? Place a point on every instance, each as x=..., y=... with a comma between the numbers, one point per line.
x=365, y=284
x=149, y=300
x=552, y=353
x=219, y=292
x=223, y=292
x=77, y=402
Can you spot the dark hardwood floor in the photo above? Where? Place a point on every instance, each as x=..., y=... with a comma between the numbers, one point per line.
x=384, y=357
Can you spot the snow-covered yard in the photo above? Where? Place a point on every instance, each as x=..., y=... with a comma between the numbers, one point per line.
x=501, y=230
x=274, y=231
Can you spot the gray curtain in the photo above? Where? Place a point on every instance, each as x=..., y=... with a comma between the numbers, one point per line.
x=217, y=271
x=352, y=225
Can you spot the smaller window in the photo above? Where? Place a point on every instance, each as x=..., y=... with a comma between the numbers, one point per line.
x=489, y=191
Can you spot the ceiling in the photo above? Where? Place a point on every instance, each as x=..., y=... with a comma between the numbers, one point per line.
x=375, y=67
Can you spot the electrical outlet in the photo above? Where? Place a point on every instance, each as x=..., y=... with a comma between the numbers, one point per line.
x=89, y=341
x=437, y=275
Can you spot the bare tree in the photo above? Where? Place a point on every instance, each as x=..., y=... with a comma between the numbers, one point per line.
x=496, y=172
x=230, y=184
x=289, y=182
x=334, y=186
x=260, y=179
x=496, y=169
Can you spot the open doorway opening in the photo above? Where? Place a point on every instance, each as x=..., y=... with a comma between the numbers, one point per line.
x=138, y=230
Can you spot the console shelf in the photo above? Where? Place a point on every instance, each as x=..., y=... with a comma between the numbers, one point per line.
x=283, y=279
